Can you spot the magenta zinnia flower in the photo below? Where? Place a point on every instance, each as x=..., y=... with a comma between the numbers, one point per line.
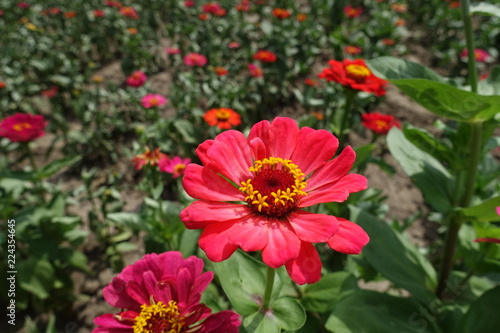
x=153, y=100
x=23, y=127
x=161, y=293
x=176, y=165
x=195, y=59
x=480, y=55
x=136, y=79
x=278, y=170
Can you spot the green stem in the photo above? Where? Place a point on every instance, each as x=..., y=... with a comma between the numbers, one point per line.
x=269, y=288
x=471, y=63
x=36, y=181
x=349, y=97
x=456, y=222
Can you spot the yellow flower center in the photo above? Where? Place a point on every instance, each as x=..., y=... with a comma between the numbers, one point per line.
x=357, y=72
x=154, y=101
x=223, y=114
x=21, y=126
x=276, y=188
x=179, y=167
x=380, y=124
x=159, y=318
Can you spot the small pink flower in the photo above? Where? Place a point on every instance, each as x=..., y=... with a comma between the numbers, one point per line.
x=195, y=59
x=481, y=55
x=172, y=50
x=136, y=79
x=189, y=3
x=211, y=7
x=255, y=71
x=175, y=166
x=129, y=12
x=233, y=45
x=23, y=5
x=51, y=92
x=22, y=127
x=153, y=100
x=99, y=13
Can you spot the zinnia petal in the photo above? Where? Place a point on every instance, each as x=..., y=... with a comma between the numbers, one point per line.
x=307, y=267
x=214, y=241
x=201, y=213
x=314, y=228
x=283, y=245
x=350, y=238
x=335, y=192
x=202, y=183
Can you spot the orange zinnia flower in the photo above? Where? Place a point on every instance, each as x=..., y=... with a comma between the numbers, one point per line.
x=265, y=56
x=148, y=158
x=223, y=118
x=281, y=13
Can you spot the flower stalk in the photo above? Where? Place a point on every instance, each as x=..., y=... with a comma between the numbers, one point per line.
x=268, y=289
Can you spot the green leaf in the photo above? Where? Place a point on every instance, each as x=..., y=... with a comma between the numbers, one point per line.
x=431, y=90
x=363, y=153
x=449, y=102
x=285, y=313
x=322, y=296
x=186, y=129
x=56, y=166
x=366, y=311
x=485, y=8
x=391, y=68
x=484, y=212
x=427, y=143
x=428, y=173
x=482, y=316
x=132, y=220
x=395, y=258
x=243, y=280
x=36, y=276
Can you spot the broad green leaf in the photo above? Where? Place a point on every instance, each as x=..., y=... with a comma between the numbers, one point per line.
x=36, y=276
x=366, y=311
x=395, y=258
x=243, y=280
x=427, y=143
x=322, y=296
x=482, y=316
x=186, y=129
x=188, y=242
x=428, y=173
x=285, y=313
x=484, y=212
x=132, y=220
x=363, y=153
x=484, y=8
x=433, y=92
x=56, y=166
x=391, y=68
x=447, y=101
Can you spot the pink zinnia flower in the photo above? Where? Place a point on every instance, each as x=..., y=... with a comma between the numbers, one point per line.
x=233, y=45
x=149, y=157
x=51, y=92
x=220, y=71
x=280, y=169
x=175, y=166
x=23, y=5
x=136, y=79
x=153, y=100
x=22, y=127
x=481, y=55
x=99, y=13
x=195, y=59
x=255, y=71
x=115, y=4
x=161, y=293
x=129, y=12
x=211, y=7
x=172, y=50
x=352, y=12
x=189, y=3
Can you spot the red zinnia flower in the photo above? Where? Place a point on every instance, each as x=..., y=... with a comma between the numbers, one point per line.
x=220, y=12
x=454, y=4
x=99, y=13
x=301, y=17
x=129, y=12
x=189, y=3
x=211, y=7
x=223, y=118
x=148, y=158
x=2, y=84
x=203, y=16
x=352, y=50
x=352, y=12
x=23, y=5
x=354, y=74
x=136, y=79
x=161, y=293
x=23, y=127
x=378, y=122
x=111, y=3
x=280, y=170
x=175, y=166
x=172, y=50
x=255, y=71
x=70, y=14
x=51, y=92
x=243, y=6
x=220, y=71
x=400, y=22
x=195, y=59
x=54, y=10
x=264, y=56
x=311, y=82
x=281, y=13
